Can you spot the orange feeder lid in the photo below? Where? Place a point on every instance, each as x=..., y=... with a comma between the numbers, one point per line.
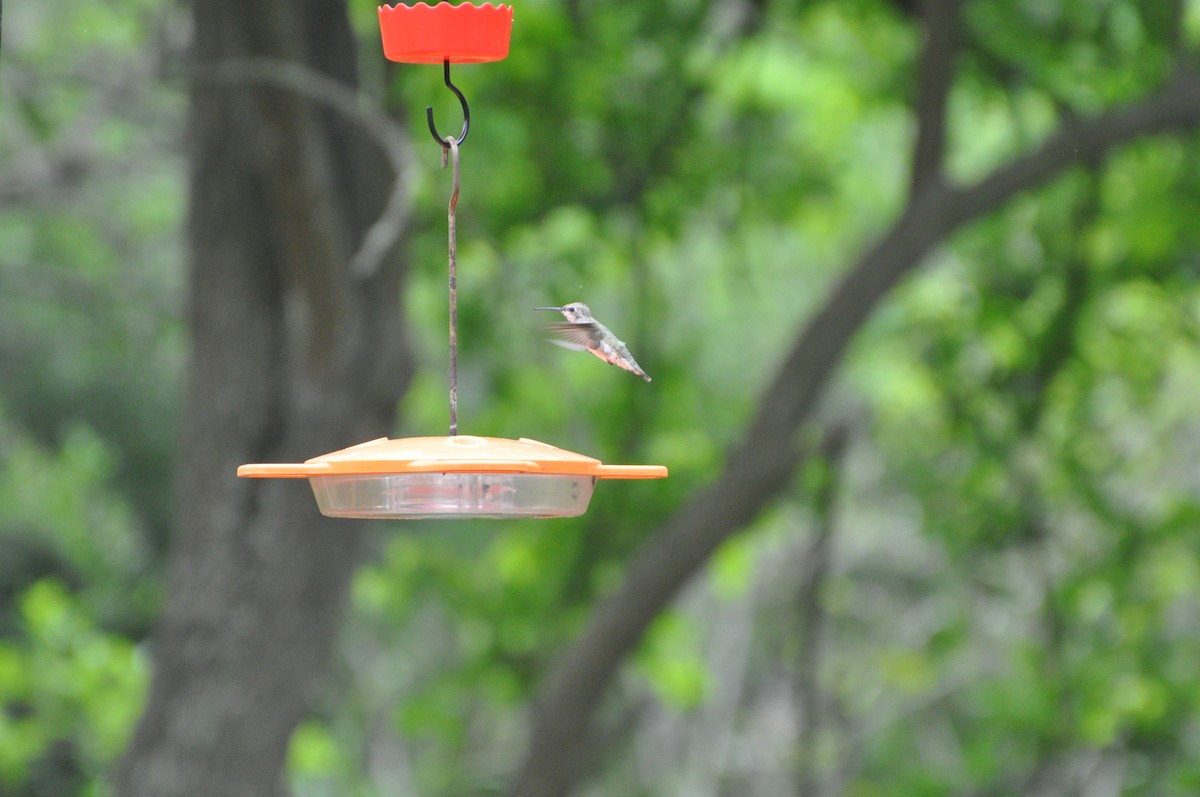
x=458, y=454
x=465, y=34
x=459, y=476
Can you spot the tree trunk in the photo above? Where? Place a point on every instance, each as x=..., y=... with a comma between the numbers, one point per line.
x=290, y=358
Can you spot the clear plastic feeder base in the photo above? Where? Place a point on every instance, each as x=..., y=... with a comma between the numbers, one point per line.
x=413, y=496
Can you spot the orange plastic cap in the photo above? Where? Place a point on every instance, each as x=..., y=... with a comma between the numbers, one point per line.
x=465, y=34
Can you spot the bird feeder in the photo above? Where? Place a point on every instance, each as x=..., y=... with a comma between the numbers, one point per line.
x=431, y=477
x=458, y=475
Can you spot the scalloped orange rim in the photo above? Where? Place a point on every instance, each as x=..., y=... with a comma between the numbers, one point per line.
x=462, y=34
x=457, y=454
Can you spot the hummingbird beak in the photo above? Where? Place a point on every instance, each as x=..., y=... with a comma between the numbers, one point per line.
x=555, y=309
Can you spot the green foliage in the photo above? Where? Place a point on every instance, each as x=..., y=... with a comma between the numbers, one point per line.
x=70, y=693
x=90, y=218
x=63, y=518
x=1026, y=392
x=670, y=660
x=91, y=198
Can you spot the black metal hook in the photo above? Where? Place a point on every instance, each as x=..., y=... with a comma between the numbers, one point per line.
x=466, y=113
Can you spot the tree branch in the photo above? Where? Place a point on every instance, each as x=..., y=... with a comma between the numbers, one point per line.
x=811, y=623
x=935, y=74
x=391, y=138
x=1176, y=39
x=760, y=466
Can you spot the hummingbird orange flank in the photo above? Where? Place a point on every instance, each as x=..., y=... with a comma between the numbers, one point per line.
x=582, y=332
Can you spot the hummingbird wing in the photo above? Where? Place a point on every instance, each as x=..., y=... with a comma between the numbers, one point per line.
x=591, y=336
x=566, y=345
x=579, y=337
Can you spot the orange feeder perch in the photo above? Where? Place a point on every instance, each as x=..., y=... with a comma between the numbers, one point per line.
x=459, y=475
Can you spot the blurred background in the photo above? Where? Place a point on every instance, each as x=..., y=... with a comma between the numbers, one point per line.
x=983, y=579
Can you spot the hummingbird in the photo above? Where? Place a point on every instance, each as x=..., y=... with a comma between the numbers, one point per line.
x=582, y=332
